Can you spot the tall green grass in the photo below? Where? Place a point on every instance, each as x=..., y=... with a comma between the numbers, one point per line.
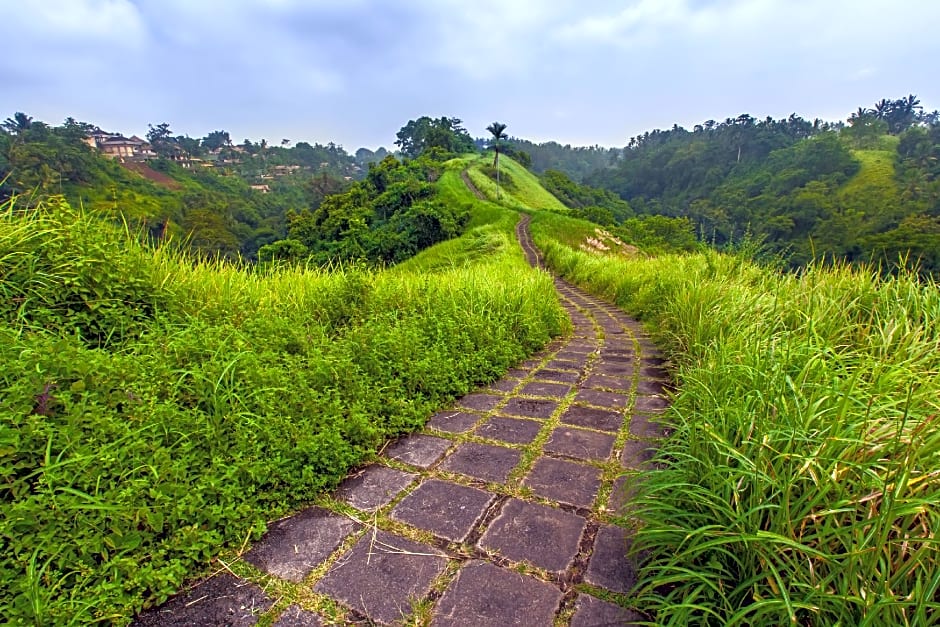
x=523, y=191
x=156, y=409
x=801, y=484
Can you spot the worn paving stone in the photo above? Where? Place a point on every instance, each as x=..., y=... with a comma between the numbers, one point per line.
x=418, y=450
x=294, y=546
x=609, y=567
x=453, y=421
x=601, y=398
x=296, y=617
x=652, y=386
x=503, y=385
x=482, y=461
x=592, y=612
x=545, y=537
x=600, y=419
x=373, y=486
x=484, y=595
x=580, y=443
x=613, y=352
x=618, y=384
x=564, y=481
x=651, y=404
x=654, y=372
x=636, y=454
x=480, y=401
x=557, y=375
x=615, y=358
x=517, y=373
x=576, y=352
x=622, y=492
x=383, y=576
x=613, y=369
x=644, y=426
x=446, y=509
x=221, y=600
x=530, y=407
x=554, y=390
x=562, y=364
x=511, y=430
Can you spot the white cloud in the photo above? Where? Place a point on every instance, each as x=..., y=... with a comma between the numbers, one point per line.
x=112, y=22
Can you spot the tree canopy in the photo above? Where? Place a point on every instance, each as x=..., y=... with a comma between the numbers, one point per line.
x=425, y=133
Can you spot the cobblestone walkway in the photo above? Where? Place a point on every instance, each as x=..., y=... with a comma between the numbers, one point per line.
x=503, y=511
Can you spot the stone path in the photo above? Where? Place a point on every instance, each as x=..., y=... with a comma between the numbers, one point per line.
x=502, y=512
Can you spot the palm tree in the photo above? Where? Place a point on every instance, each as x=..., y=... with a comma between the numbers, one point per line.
x=498, y=129
x=18, y=123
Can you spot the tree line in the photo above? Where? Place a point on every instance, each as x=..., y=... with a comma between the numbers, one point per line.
x=862, y=191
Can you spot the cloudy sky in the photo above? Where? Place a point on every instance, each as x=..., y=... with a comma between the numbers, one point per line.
x=354, y=71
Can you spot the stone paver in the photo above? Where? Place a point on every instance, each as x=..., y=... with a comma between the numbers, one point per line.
x=373, y=487
x=563, y=364
x=221, y=600
x=636, y=454
x=580, y=443
x=564, y=481
x=591, y=612
x=482, y=461
x=543, y=536
x=602, y=399
x=539, y=388
x=511, y=430
x=383, y=576
x=646, y=426
x=557, y=375
x=600, y=419
x=445, y=509
x=613, y=369
x=453, y=421
x=530, y=407
x=503, y=385
x=553, y=420
x=294, y=546
x=418, y=450
x=484, y=595
x=652, y=386
x=609, y=566
x=600, y=381
x=480, y=401
x=621, y=493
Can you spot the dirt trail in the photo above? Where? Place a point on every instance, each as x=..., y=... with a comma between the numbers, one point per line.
x=503, y=511
x=473, y=188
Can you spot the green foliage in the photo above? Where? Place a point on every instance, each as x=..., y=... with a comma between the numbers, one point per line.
x=596, y=205
x=63, y=270
x=389, y=216
x=233, y=396
x=809, y=191
x=799, y=484
x=527, y=194
x=576, y=162
x=425, y=133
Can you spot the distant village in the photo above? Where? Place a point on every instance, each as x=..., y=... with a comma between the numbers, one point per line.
x=129, y=150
